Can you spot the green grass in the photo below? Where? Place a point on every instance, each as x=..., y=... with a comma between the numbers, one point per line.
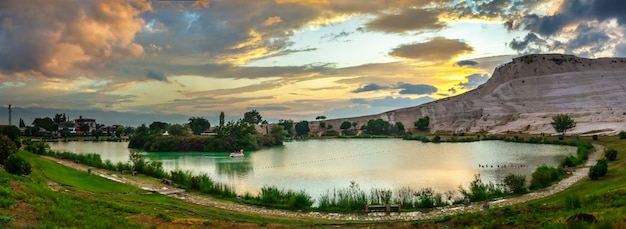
x=95, y=202
x=46, y=169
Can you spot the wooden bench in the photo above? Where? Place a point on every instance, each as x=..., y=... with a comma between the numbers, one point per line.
x=383, y=208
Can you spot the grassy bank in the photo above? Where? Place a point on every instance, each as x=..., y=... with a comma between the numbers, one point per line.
x=56, y=196
x=605, y=199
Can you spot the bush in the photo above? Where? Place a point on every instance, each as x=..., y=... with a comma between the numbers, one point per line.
x=622, y=135
x=598, y=170
x=611, y=154
x=15, y=164
x=7, y=147
x=515, y=183
x=436, y=139
x=544, y=176
x=594, y=137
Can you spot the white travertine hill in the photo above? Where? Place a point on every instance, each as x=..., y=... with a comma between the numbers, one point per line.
x=525, y=94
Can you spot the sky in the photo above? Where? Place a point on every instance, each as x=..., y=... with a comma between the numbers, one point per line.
x=288, y=59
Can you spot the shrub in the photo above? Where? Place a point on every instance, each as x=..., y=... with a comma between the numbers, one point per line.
x=622, y=135
x=7, y=147
x=17, y=165
x=436, y=139
x=594, y=137
x=611, y=154
x=544, y=176
x=515, y=183
x=598, y=170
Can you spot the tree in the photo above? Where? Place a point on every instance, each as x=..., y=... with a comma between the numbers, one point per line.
x=252, y=117
x=287, y=125
x=400, y=127
x=158, y=127
x=422, y=123
x=83, y=127
x=222, y=118
x=302, y=128
x=198, y=125
x=7, y=147
x=562, y=123
x=119, y=131
x=177, y=130
x=46, y=123
x=377, y=127
x=345, y=125
x=322, y=117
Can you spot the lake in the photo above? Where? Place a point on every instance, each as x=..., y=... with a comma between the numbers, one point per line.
x=320, y=165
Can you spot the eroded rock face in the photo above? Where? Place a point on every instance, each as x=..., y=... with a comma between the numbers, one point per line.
x=525, y=94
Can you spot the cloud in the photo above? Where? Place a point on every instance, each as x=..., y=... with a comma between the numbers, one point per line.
x=531, y=43
x=54, y=38
x=437, y=49
x=407, y=20
x=467, y=63
x=370, y=87
x=156, y=76
x=474, y=80
x=416, y=89
x=269, y=108
x=272, y=20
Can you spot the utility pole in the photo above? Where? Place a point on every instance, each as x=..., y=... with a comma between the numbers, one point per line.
x=10, y=114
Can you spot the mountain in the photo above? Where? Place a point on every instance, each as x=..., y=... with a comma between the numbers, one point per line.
x=523, y=96
x=102, y=117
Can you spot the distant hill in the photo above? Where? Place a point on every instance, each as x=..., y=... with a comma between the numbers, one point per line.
x=102, y=117
x=523, y=96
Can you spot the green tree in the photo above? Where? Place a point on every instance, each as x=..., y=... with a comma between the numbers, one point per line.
x=345, y=125
x=422, y=123
x=199, y=125
x=119, y=131
x=321, y=117
x=562, y=123
x=377, y=127
x=302, y=128
x=400, y=127
x=46, y=123
x=7, y=147
x=13, y=133
x=287, y=125
x=177, y=130
x=65, y=132
x=252, y=117
x=222, y=118
x=83, y=127
x=158, y=127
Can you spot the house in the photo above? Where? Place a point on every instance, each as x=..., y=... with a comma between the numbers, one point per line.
x=85, y=121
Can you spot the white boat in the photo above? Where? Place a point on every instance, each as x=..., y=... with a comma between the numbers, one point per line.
x=237, y=154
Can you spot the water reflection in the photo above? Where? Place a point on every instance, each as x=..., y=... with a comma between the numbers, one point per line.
x=319, y=165
x=234, y=167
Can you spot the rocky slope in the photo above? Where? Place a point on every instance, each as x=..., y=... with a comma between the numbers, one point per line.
x=525, y=94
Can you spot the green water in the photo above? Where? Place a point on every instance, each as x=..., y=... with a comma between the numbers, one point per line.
x=319, y=165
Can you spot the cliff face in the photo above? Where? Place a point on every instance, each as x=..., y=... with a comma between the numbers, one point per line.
x=525, y=94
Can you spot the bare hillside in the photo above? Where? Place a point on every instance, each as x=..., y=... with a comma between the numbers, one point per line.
x=525, y=94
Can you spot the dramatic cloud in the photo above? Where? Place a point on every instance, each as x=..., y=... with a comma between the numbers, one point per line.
x=370, y=87
x=466, y=63
x=531, y=43
x=437, y=49
x=408, y=20
x=416, y=89
x=53, y=38
x=474, y=80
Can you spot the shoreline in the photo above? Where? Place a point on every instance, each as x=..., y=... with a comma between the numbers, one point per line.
x=153, y=183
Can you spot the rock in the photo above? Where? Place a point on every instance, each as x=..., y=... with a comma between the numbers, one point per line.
x=523, y=96
x=582, y=218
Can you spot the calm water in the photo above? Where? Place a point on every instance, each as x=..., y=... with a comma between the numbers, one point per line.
x=319, y=165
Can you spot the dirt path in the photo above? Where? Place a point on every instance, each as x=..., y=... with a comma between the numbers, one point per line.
x=154, y=184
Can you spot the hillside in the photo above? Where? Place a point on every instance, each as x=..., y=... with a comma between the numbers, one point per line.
x=523, y=96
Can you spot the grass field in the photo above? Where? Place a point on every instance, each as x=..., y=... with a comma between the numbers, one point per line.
x=82, y=201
